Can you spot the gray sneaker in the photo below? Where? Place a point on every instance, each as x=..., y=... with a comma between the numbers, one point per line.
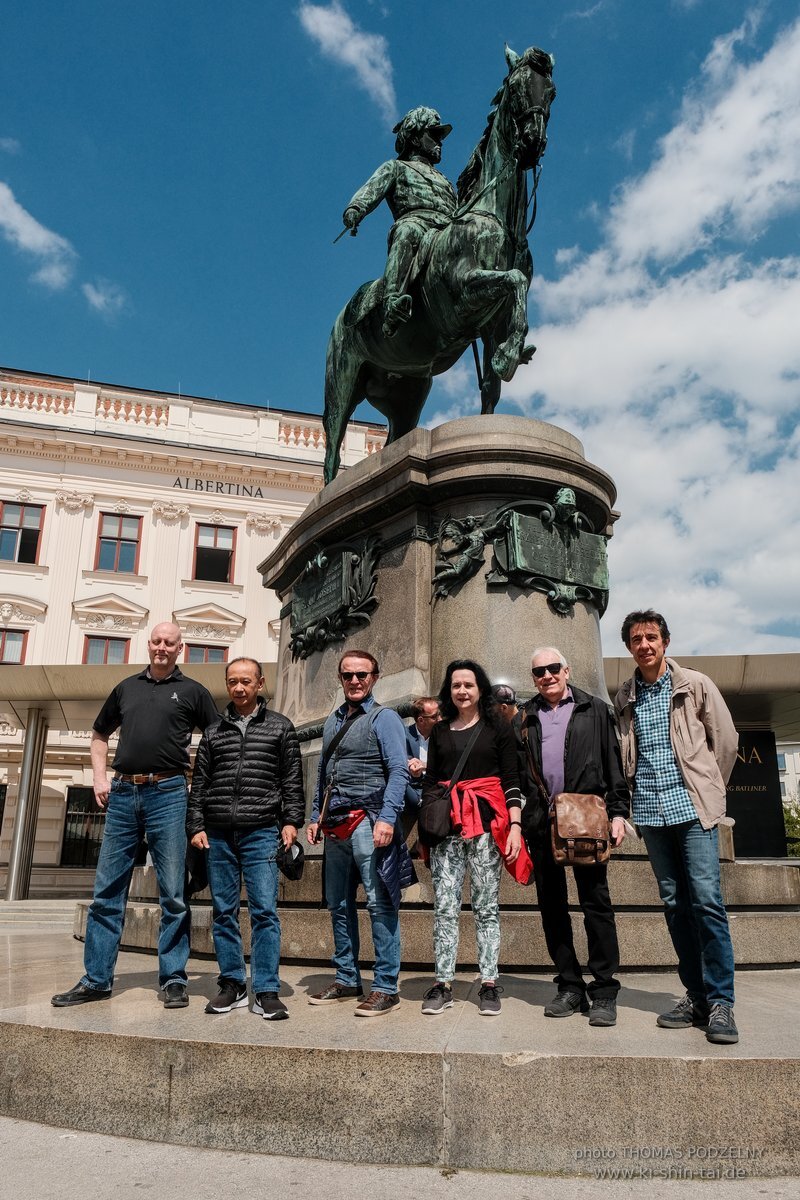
x=721, y=1027
x=603, y=1011
x=687, y=1012
x=489, y=1000
x=437, y=999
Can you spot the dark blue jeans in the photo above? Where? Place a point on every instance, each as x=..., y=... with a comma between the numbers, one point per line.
x=685, y=861
x=346, y=861
x=250, y=854
x=158, y=810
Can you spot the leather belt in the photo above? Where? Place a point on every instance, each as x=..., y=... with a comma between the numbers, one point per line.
x=152, y=778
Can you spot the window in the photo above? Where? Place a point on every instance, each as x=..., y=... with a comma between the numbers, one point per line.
x=99, y=651
x=213, y=555
x=118, y=543
x=206, y=654
x=781, y=762
x=20, y=530
x=12, y=646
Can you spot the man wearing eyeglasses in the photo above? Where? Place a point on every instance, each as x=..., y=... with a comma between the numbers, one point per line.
x=573, y=746
x=426, y=714
x=359, y=798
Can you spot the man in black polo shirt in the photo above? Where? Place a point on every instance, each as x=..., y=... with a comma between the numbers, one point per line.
x=155, y=713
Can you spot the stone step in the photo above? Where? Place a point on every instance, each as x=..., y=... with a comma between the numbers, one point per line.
x=631, y=882
x=574, y=1098
x=759, y=937
x=37, y=912
x=53, y=883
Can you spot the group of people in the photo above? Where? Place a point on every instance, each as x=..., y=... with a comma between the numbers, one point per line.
x=662, y=759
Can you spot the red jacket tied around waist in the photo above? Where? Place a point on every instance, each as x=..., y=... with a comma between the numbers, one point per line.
x=465, y=814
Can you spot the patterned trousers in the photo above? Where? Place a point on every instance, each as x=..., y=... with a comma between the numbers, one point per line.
x=449, y=861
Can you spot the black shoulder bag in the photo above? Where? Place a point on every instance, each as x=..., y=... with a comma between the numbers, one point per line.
x=434, y=814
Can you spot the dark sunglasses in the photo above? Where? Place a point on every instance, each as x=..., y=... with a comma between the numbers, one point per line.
x=359, y=675
x=550, y=669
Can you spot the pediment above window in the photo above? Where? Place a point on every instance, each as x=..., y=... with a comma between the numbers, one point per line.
x=109, y=612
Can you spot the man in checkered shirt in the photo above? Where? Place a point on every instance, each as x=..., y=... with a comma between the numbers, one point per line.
x=679, y=745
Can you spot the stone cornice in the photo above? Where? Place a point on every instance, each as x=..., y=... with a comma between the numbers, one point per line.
x=282, y=475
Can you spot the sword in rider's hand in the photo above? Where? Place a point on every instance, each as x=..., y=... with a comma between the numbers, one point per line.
x=353, y=231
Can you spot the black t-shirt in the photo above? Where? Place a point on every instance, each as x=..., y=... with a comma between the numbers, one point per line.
x=156, y=718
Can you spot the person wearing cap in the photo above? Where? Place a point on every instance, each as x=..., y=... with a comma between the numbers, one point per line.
x=247, y=799
x=506, y=699
x=567, y=742
x=421, y=199
x=155, y=712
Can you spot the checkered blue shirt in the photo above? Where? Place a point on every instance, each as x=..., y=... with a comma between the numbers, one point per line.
x=659, y=796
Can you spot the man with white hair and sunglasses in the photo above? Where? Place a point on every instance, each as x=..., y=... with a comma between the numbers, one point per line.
x=568, y=743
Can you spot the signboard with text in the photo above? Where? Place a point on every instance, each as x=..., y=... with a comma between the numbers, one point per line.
x=754, y=798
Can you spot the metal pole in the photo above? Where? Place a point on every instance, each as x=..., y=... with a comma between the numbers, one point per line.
x=32, y=815
x=16, y=889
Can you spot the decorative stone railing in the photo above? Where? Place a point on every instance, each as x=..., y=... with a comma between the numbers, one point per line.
x=36, y=399
x=132, y=411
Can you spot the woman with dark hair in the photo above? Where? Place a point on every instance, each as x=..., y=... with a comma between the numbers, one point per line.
x=486, y=806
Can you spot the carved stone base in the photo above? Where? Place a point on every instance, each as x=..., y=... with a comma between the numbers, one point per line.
x=482, y=538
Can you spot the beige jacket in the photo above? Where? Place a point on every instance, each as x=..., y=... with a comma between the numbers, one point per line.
x=704, y=739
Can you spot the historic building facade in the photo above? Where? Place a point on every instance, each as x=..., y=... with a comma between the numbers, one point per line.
x=120, y=508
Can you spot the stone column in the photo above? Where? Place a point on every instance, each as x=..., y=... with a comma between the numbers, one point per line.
x=27, y=812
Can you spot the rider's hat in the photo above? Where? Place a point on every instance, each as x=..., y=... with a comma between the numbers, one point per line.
x=415, y=121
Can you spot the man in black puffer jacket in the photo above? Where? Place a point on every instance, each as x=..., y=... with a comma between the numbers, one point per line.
x=247, y=796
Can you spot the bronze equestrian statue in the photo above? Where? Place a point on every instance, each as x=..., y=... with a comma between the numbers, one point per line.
x=458, y=269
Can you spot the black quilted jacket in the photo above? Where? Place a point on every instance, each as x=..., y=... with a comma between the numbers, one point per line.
x=250, y=782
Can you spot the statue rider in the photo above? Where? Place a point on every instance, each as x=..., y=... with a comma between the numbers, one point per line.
x=421, y=199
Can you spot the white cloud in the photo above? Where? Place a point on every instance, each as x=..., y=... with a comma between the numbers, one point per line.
x=729, y=165
x=684, y=384
x=9, y=145
x=55, y=255
x=104, y=297
x=366, y=54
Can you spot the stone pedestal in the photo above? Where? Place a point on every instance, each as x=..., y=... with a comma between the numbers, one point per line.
x=372, y=534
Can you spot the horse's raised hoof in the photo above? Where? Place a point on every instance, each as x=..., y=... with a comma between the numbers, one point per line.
x=527, y=354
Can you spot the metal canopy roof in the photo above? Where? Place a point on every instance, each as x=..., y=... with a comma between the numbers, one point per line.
x=761, y=690
x=70, y=697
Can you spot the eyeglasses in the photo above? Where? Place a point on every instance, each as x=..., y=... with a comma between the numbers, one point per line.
x=550, y=669
x=359, y=675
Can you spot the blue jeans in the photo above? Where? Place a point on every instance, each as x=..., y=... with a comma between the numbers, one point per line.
x=158, y=810
x=248, y=853
x=345, y=861
x=685, y=861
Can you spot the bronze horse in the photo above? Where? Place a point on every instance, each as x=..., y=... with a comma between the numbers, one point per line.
x=474, y=284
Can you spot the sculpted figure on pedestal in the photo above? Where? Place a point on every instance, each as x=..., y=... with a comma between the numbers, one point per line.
x=458, y=268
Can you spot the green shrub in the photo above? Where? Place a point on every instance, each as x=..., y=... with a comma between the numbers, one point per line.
x=791, y=818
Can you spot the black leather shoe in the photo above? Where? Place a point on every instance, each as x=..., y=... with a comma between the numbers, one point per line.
x=566, y=1004
x=175, y=995
x=80, y=994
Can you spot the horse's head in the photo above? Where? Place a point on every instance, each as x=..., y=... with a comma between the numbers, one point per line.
x=526, y=96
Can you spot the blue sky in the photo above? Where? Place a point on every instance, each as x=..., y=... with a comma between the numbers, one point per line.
x=172, y=178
